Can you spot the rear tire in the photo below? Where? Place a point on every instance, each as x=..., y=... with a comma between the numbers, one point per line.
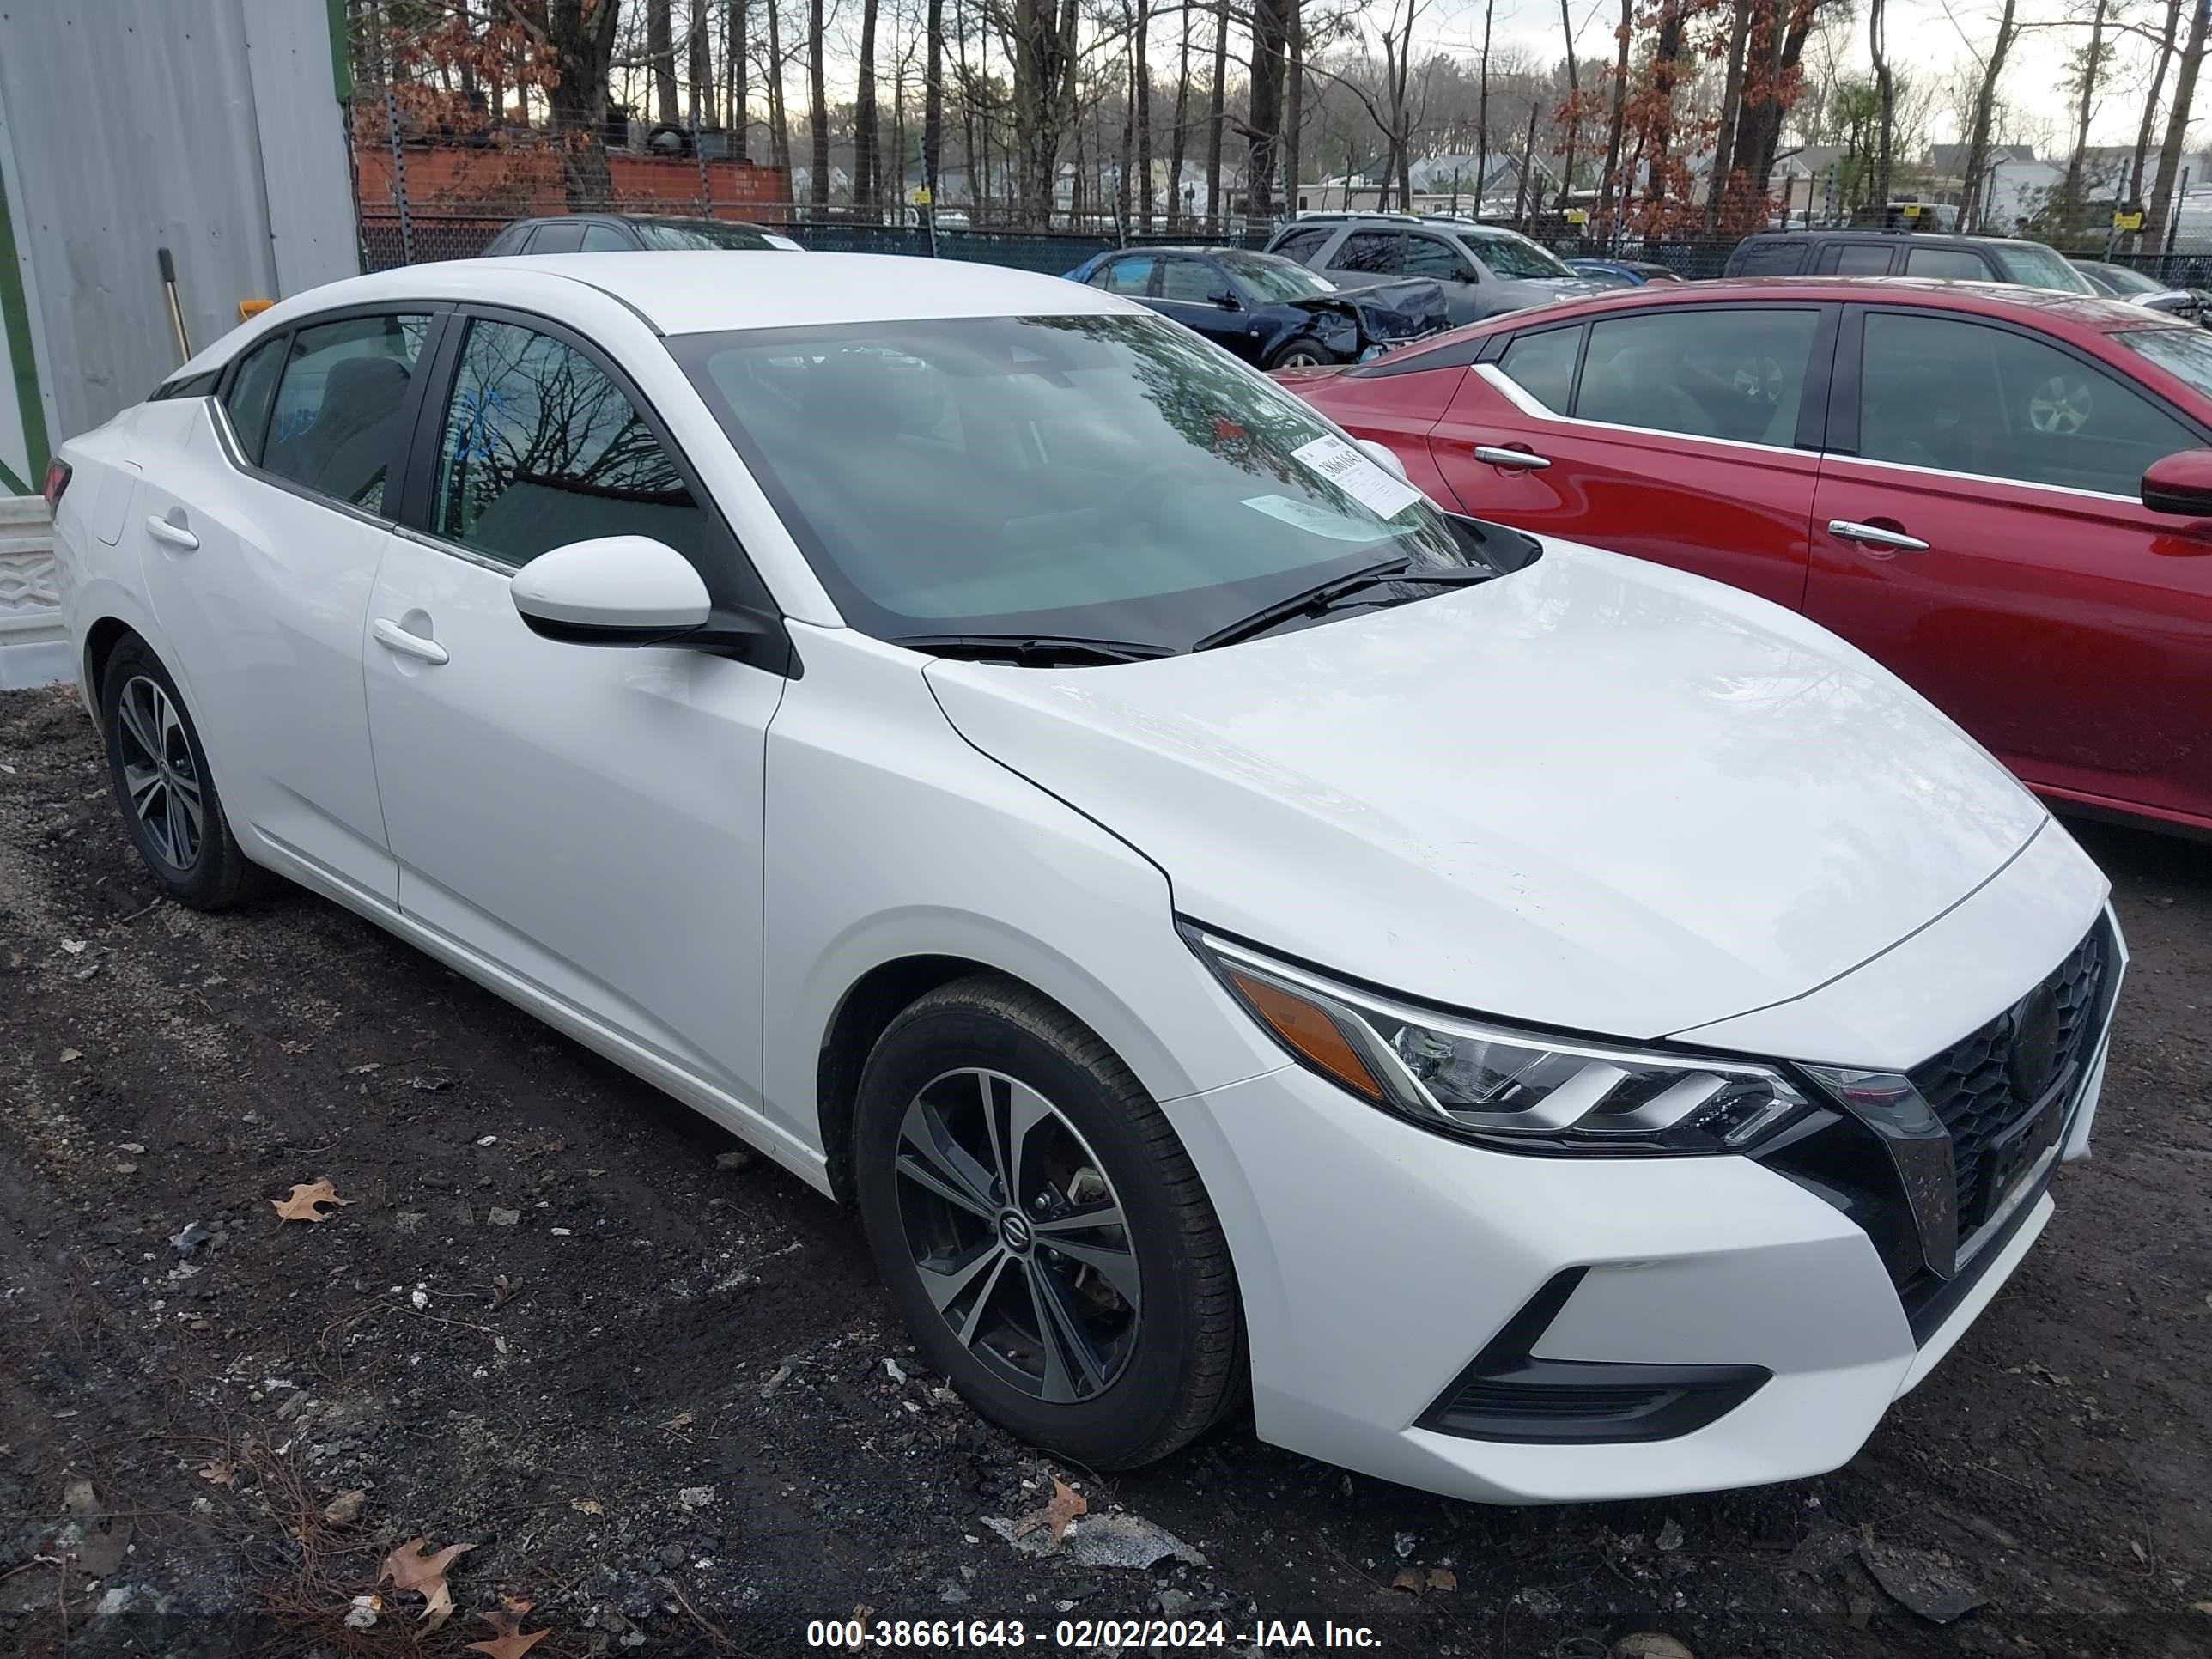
x=993, y=1135
x=1304, y=352
x=163, y=784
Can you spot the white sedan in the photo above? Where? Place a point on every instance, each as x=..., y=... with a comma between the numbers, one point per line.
x=1553, y=1027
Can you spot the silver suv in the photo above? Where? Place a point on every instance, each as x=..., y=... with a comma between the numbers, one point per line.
x=1484, y=271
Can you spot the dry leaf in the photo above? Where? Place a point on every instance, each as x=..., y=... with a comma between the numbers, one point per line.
x=1442, y=1578
x=301, y=1207
x=1407, y=1579
x=1065, y=1505
x=586, y=1505
x=345, y=1508
x=410, y=1568
x=513, y=1641
x=222, y=1472
x=517, y=1605
x=69, y=1055
x=678, y=1423
x=502, y=1287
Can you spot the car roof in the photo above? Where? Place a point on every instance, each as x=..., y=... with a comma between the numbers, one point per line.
x=704, y=291
x=1876, y=233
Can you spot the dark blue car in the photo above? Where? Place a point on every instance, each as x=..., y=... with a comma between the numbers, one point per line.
x=1270, y=310
x=1623, y=273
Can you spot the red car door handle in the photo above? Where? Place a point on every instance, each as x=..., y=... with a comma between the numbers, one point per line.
x=1873, y=535
x=1497, y=456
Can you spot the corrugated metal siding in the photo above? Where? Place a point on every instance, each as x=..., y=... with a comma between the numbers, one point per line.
x=136, y=125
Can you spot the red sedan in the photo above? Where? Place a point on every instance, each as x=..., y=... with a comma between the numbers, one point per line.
x=2004, y=494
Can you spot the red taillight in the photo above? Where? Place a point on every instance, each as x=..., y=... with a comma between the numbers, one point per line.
x=57, y=477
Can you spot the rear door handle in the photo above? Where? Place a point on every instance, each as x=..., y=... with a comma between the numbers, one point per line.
x=1873, y=535
x=175, y=534
x=392, y=637
x=1517, y=457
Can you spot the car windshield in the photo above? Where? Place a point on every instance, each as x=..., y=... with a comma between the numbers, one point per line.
x=2183, y=353
x=2033, y=265
x=2122, y=280
x=1514, y=258
x=685, y=235
x=1104, y=478
x=1272, y=278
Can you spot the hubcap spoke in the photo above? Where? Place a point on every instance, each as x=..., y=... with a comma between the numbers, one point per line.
x=180, y=837
x=1072, y=1370
x=944, y=1284
x=974, y=1322
x=1014, y=1115
x=143, y=783
x=134, y=712
x=1116, y=1265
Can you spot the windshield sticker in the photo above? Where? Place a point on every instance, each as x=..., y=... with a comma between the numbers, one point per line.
x=1317, y=520
x=1358, y=476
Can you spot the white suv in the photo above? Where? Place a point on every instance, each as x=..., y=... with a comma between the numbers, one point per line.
x=1558, y=1028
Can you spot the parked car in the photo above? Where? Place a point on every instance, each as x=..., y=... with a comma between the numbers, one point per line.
x=1036, y=780
x=1998, y=495
x=1484, y=271
x=1622, y=273
x=1905, y=253
x=629, y=233
x=1268, y=310
x=2139, y=289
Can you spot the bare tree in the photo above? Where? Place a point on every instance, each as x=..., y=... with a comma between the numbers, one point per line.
x=699, y=88
x=2177, y=125
x=660, y=52
x=1721, y=189
x=779, y=111
x=1264, y=87
x=1885, y=89
x=2164, y=61
x=1574, y=102
x=1985, y=99
x=1482, y=106
x=932, y=103
x=1141, y=73
x=2088, y=69
x=1294, y=100
x=1216, y=116
x=817, y=114
x=1182, y=128
x=867, y=161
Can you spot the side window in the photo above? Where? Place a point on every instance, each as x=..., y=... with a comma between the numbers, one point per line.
x=1854, y=259
x=1543, y=365
x=1937, y=392
x=557, y=236
x=605, y=239
x=337, y=425
x=541, y=448
x=1130, y=277
x=1954, y=265
x=1192, y=280
x=1781, y=256
x=1737, y=374
x=1302, y=245
x=1433, y=256
x=1372, y=252
x=251, y=393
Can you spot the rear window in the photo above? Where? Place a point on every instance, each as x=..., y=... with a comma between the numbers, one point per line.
x=1776, y=258
x=1956, y=264
x=2033, y=265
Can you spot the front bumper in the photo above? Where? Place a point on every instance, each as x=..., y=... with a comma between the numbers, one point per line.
x=1377, y=1262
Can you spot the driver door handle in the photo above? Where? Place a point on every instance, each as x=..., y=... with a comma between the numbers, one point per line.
x=1514, y=458
x=162, y=529
x=392, y=637
x=1873, y=535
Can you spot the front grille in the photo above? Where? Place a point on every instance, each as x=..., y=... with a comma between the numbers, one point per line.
x=1975, y=1085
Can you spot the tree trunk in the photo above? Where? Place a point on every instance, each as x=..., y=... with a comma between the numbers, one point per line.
x=1144, y=73
x=1182, y=127
x=932, y=103
x=1758, y=130
x=1123, y=183
x=1294, y=103
x=867, y=161
x=1720, y=184
x=818, y=115
x=1574, y=101
x=1524, y=195
x=583, y=43
x=2177, y=128
x=1607, y=184
x=2150, y=102
x=1215, y=115
x=1264, y=86
x=1482, y=109
x=1985, y=99
x=1666, y=66
x=1885, y=87
x=2069, y=212
x=660, y=47
x=779, y=111
x=699, y=94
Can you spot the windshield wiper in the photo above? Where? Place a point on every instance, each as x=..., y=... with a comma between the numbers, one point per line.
x=1321, y=597
x=1032, y=650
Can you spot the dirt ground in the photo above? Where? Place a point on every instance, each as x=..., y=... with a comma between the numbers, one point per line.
x=662, y=1399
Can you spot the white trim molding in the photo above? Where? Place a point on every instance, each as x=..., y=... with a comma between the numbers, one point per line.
x=33, y=644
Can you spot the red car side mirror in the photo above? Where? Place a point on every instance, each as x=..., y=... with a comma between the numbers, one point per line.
x=2181, y=484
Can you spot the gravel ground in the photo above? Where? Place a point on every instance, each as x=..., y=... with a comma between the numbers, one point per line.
x=661, y=1399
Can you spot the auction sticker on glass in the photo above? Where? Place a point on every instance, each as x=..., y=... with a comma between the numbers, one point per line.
x=1358, y=476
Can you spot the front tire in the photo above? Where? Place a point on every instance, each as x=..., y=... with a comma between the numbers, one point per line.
x=163, y=784
x=1041, y=1229
x=1304, y=352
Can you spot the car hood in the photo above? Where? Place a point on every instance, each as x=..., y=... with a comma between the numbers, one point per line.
x=1596, y=793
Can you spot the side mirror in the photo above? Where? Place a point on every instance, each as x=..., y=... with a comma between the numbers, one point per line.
x=2180, y=483
x=1226, y=300
x=1384, y=457
x=615, y=590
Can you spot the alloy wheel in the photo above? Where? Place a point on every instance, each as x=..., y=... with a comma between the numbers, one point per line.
x=158, y=775
x=2059, y=405
x=1299, y=360
x=1018, y=1237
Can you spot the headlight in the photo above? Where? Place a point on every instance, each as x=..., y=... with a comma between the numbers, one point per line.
x=1519, y=1090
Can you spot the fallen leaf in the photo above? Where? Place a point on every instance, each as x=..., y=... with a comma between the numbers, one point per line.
x=295, y=1048
x=1407, y=1579
x=69, y=1055
x=586, y=1505
x=1442, y=1578
x=517, y=1605
x=410, y=1568
x=1649, y=1645
x=678, y=1423
x=512, y=1641
x=222, y=1473
x=301, y=1207
x=1064, y=1506
x=345, y=1508
x=502, y=1287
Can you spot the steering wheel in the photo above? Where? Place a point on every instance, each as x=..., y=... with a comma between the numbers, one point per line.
x=2059, y=406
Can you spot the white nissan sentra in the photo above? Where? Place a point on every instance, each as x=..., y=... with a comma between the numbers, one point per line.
x=1551, y=1027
